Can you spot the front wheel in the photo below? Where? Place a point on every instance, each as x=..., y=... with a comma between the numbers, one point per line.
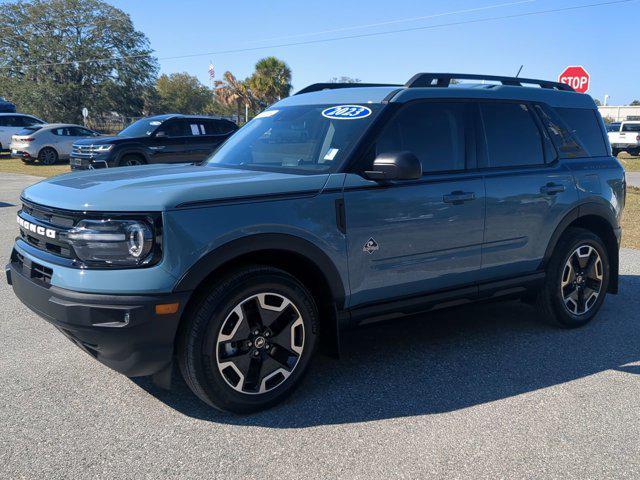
x=577, y=278
x=249, y=342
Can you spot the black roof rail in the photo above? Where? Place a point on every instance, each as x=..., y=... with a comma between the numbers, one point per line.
x=444, y=80
x=316, y=87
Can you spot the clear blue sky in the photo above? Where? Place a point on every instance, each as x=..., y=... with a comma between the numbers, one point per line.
x=604, y=39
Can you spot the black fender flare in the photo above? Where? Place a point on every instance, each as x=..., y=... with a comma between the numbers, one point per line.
x=265, y=241
x=591, y=208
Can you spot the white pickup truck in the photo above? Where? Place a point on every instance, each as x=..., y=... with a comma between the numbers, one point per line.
x=625, y=138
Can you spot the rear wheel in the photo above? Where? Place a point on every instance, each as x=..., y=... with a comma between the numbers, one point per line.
x=48, y=156
x=577, y=279
x=249, y=342
x=131, y=161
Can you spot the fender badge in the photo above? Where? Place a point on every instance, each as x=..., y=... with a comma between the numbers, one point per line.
x=371, y=246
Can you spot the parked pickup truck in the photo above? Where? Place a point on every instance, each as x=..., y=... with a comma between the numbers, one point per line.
x=625, y=138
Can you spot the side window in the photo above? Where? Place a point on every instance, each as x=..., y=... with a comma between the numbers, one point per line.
x=24, y=121
x=512, y=136
x=8, y=121
x=175, y=128
x=433, y=131
x=60, y=132
x=196, y=128
x=566, y=143
x=585, y=126
x=223, y=127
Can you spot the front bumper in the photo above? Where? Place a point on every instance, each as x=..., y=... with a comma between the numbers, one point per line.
x=123, y=332
x=90, y=161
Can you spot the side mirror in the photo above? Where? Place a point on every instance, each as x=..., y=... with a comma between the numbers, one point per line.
x=395, y=166
x=161, y=134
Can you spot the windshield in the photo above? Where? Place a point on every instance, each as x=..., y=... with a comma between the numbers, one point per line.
x=297, y=139
x=142, y=128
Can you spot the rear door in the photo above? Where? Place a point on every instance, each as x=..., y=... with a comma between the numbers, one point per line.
x=408, y=238
x=200, y=139
x=528, y=190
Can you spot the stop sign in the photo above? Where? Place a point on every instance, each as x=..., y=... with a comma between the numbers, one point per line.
x=576, y=77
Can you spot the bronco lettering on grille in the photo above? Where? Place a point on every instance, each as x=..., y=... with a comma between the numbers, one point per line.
x=37, y=229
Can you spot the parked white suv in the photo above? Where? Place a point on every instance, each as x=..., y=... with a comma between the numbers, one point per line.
x=12, y=123
x=625, y=138
x=47, y=143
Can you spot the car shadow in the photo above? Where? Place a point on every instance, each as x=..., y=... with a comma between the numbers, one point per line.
x=443, y=361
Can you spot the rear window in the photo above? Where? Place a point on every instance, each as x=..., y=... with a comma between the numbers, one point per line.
x=513, y=138
x=585, y=126
x=29, y=130
x=631, y=127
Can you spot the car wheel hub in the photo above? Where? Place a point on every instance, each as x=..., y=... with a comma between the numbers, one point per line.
x=582, y=278
x=260, y=343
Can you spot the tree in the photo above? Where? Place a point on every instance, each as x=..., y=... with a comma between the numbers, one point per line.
x=597, y=102
x=270, y=82
x=62, y=55
x=234, y=93
x=635, y=103
x=344, y=79
x=182, y=93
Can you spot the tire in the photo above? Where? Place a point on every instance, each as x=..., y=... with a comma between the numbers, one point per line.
x=237, y=364
x=48, y=156
x=566, y=298
x=131, y=161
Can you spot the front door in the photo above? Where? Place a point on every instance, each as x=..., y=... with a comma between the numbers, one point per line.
x=168, y=144
x=407, y=238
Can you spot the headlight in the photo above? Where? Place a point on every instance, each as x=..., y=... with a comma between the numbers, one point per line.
x=113, y=242
x=102, y=148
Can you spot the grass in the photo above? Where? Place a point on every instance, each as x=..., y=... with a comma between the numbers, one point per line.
x=630, y=164
x=15, y=165
x=631, y=219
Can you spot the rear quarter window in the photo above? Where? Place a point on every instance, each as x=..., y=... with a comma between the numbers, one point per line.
x=584, y=125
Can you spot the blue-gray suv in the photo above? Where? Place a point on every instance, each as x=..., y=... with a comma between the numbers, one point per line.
x=340, y=205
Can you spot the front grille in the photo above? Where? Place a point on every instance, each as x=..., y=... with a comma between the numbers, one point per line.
x=59, y=220
x=31, y=269
x=83, y=150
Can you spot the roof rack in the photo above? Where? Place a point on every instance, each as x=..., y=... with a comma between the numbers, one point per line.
x=444, y=80
x=332, y=86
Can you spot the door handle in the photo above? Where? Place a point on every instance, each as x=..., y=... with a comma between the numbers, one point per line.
x=458, y=197
x=551, y=189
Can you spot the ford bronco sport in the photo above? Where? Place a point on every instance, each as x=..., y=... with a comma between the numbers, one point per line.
x=338, y=205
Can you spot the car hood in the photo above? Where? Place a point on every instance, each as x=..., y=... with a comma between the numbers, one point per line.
x=162, y=187
x=98, y=140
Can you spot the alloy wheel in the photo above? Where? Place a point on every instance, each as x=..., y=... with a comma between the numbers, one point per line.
x=48, y=156
x=260, y=343
x=582, y=279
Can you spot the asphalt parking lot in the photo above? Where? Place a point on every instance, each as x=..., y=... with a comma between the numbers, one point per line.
x=482, y=392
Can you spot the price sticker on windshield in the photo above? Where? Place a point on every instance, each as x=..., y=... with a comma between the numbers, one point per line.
x=346, y=112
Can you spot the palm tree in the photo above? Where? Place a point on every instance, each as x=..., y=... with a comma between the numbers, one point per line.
x=235, y=93
x=271, y=81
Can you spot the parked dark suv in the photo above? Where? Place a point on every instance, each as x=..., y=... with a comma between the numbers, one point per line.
x=332, y=208
x=160, y=139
